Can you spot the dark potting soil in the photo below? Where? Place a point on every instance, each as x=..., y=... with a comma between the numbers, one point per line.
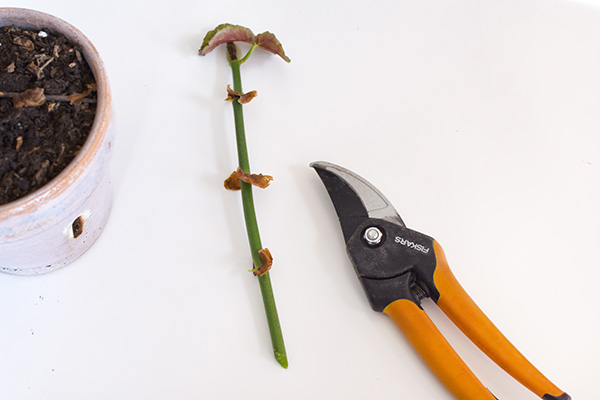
x=41, y=131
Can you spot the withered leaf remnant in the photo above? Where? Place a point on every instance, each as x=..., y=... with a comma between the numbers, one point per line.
x=31, y=97
x=24, y=43
x=242, y=98
x=232, y=182
x=77, y=98
x=266, y=262
x=37, y=67
x=36, y=97
x=19, y=143
x=258, y=180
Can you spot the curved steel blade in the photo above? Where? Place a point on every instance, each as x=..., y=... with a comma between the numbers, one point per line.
x=353, y=197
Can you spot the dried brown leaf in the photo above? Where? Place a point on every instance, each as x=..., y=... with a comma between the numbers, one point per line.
x=30, y=97
x=266, y=260
x=232, y=94
x=258, y=180
x=41, y=59
x=233, y=182
x=24, y=43
x=247, y=97
x=242, y=98
x=34, y=69
x=11, y=68
x=41, y=173
x=77, y=98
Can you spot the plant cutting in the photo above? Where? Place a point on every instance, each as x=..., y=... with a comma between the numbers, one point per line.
x=56, y=134
x=242, y=179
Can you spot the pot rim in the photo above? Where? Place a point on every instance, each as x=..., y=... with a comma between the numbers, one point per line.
x=30, y=203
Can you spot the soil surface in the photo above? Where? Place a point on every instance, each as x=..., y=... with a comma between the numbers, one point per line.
x=39, y=138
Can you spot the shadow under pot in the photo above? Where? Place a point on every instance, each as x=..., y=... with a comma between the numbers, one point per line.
x=56, y=134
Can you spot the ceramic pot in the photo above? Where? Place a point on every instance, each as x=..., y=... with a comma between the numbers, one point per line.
x=56, y=224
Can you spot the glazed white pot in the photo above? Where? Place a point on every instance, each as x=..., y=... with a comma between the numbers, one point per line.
x=37, y=232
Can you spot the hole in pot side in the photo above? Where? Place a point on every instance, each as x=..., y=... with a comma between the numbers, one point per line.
x=47, y=108
x=77, y=227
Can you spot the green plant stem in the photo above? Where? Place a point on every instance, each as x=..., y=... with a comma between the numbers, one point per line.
x=250, y=217
x=249, y=53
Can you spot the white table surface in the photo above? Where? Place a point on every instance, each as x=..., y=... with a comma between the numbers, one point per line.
x=479, y=120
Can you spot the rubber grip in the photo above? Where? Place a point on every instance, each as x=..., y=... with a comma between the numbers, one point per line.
x=435, y=350
x=468, y=317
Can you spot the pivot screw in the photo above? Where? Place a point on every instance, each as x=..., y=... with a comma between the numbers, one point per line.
x=373, y=236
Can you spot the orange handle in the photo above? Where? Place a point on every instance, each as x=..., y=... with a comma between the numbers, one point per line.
x=462, y=310
x=435, y=350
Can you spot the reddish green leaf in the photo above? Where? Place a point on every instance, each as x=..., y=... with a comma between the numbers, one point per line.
x=269, y=42
x=226, y=33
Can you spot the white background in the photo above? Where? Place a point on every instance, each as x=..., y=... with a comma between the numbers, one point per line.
x=479, y=120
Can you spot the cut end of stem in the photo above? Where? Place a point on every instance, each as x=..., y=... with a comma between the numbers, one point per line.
x=281, y=359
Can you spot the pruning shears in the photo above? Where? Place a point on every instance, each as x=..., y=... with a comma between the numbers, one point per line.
x=398, y=267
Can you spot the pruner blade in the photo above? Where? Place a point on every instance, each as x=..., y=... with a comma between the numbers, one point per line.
x=354, y=198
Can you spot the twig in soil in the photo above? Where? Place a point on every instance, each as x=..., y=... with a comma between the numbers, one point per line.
x=39, y=70
x=35, y=97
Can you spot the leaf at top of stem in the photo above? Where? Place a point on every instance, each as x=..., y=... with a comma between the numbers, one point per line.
x=227, y=33
x=269, y=42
